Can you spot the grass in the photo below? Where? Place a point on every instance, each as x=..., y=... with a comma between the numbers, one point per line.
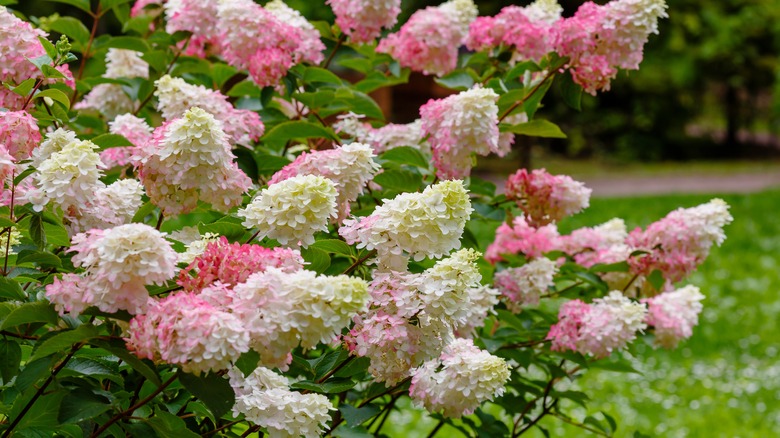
x=725, y=380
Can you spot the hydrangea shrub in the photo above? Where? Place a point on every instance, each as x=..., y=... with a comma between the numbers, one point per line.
x=208, y=231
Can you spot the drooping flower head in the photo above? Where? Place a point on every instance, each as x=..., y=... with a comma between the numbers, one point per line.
x=430, y=40
x=522, y=238
x=417, y=225
x=291, y=211
x=681, y=241
x=264, y=398
x=599, y=328
x=459, y=380
x=528, y=30
x=546, y=198
x=524, y=286
x=674, y=314
x=233, y=263
x=190, y=160
x=310, y=46
x=19, y=133
x=350, y=167
x=460, y=126
x=176, y=97
x=363, y=20
x=184, y=329
x=68, y=175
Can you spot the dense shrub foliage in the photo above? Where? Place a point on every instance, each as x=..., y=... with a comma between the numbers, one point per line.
x=208, y=231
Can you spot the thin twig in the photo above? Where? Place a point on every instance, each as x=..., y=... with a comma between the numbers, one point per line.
x=436, y=429
x=568, y=420
x=359, y=262
x=341, y=40
x=167, y=70
x=223, y=427
x=536, y=88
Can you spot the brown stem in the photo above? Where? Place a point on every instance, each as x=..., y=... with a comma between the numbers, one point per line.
x=85, y=56
x=336, y=370
x=18, y=335
x=11, y=217
x=359, y=262
x=436, y=429
x=131, y=409
x=29, y=99
x=341, y=40
x=40, y=390
x=566, y=289
x=528, y=96
x=630, y=282
x=253, y=237
x=167, y=70
x=220, y=428
x=568, y=420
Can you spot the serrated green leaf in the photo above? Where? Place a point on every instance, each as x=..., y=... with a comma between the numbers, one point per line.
x=40, y=416
x=458, y=80
x=63, y=341
x=332, y=386
x=128, y=43
x=41, y=258
x=55, y=95
x=145, y=210
x=406, y=155
x=333, y=246
x=40, y=311
x=225, y=228
x=56, y=235
x=50, y=72
x=40, y=61
x=316, y=260
x=24, y=88
x=73, y=28
x=170, y=426
x=284, y=132
x=269, y=164
x=11, y=289
x=358, y=103
x=80, y=405
x=357, y=416
x=535, y=128
x=212, y=389
x=316, y=99
x=248, y=362
x=118, y=349
x=399, y=180
x=317, y=74
x=10, y=358
x=106, y=141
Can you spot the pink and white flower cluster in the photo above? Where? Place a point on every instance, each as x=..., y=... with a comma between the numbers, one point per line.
x=385, y=138
x=363, y=20
x=460, y=126
x=546, y=198
x=19, y=134
x=525, y=285
x=674, y=314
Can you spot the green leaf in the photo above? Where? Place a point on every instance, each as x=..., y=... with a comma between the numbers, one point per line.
x=357, y=416
x=346, y=431
x=212, y=389
x=458, y=80
x=399, y=180
x=81, y=4
x=316, y=99
x=406, y=155
x=48, y=47
x=593, y=279
x=40, y=311
x=611, y=267
x=24, y=88
x=106, y=141
x=40, y=61
x=56, y=234
x=269, y=164
x=357, y=366
x=82, y=404
x=333, y=246
x=316, y=259
x=284, y=132
x=170, y=426
x=362, y=65
x=226, y=228
x=37, y=233
x=535, y=128
x=157, y=59
x=358, y=103
x=118, y=349
x=656, y=278
x=73, y=28
x=619, y=366
x=11, y=289
x=248, y=362
x=145, y=210
x=571, y=92
x=10, y=358
x=55, y=95
x=108, y=4
x=50, y=72
x=41, y=415
x=128, y=43
x=316, y=74
x=41, y=258
x=63, y=341
x=332, y=386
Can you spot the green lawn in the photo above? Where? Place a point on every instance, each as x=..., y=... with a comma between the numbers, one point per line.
x=723, y=382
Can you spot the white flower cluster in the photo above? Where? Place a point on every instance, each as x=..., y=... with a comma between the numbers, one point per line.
x=459, y=380
x=69, y=173
x=265, y=399
x=293, y=210
x=461, y=13
x=427, y=224
x=281, y=309
x=524, y=285
x=610, y=325
x=110, y=206
x=190, y=160
x=111, y=99
x=545, y=11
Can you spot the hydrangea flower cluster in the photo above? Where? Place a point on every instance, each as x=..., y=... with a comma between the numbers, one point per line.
x=175, y=97
x=385, y=138
x=674, y=314
x=232, y=263
x=599, y=328
x=198, y=17
x=522, y=238
x=363, y=20
x=264, y=398
x=189, y=160
x=418, y=225
x=524, y=286
x=18, y=43
x=109, y=206
x=186, y=330
x=19, y=133
x=118, y=263
x=293, y=210
x=528, y=30
x=7, y=166
x=681, y=241
x=459, y=126
x=459, y=380
x=350, y=167
x=135, y=130
x=429, y=41
x=546, y=198
x=110, y=99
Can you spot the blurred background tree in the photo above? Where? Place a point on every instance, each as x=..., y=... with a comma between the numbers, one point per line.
x=709, y=86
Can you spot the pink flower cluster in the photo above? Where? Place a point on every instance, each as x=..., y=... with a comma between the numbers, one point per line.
x=599, y=328
x=528, y=30
x=430, y=40
x=19, y=133
x=546, y=198
x=681, y=241
x=674, y=314
x=18, y=43
x=460, y=126
x=134, y=129
x=522, y=238
x=232, y=263
x=363, y=20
